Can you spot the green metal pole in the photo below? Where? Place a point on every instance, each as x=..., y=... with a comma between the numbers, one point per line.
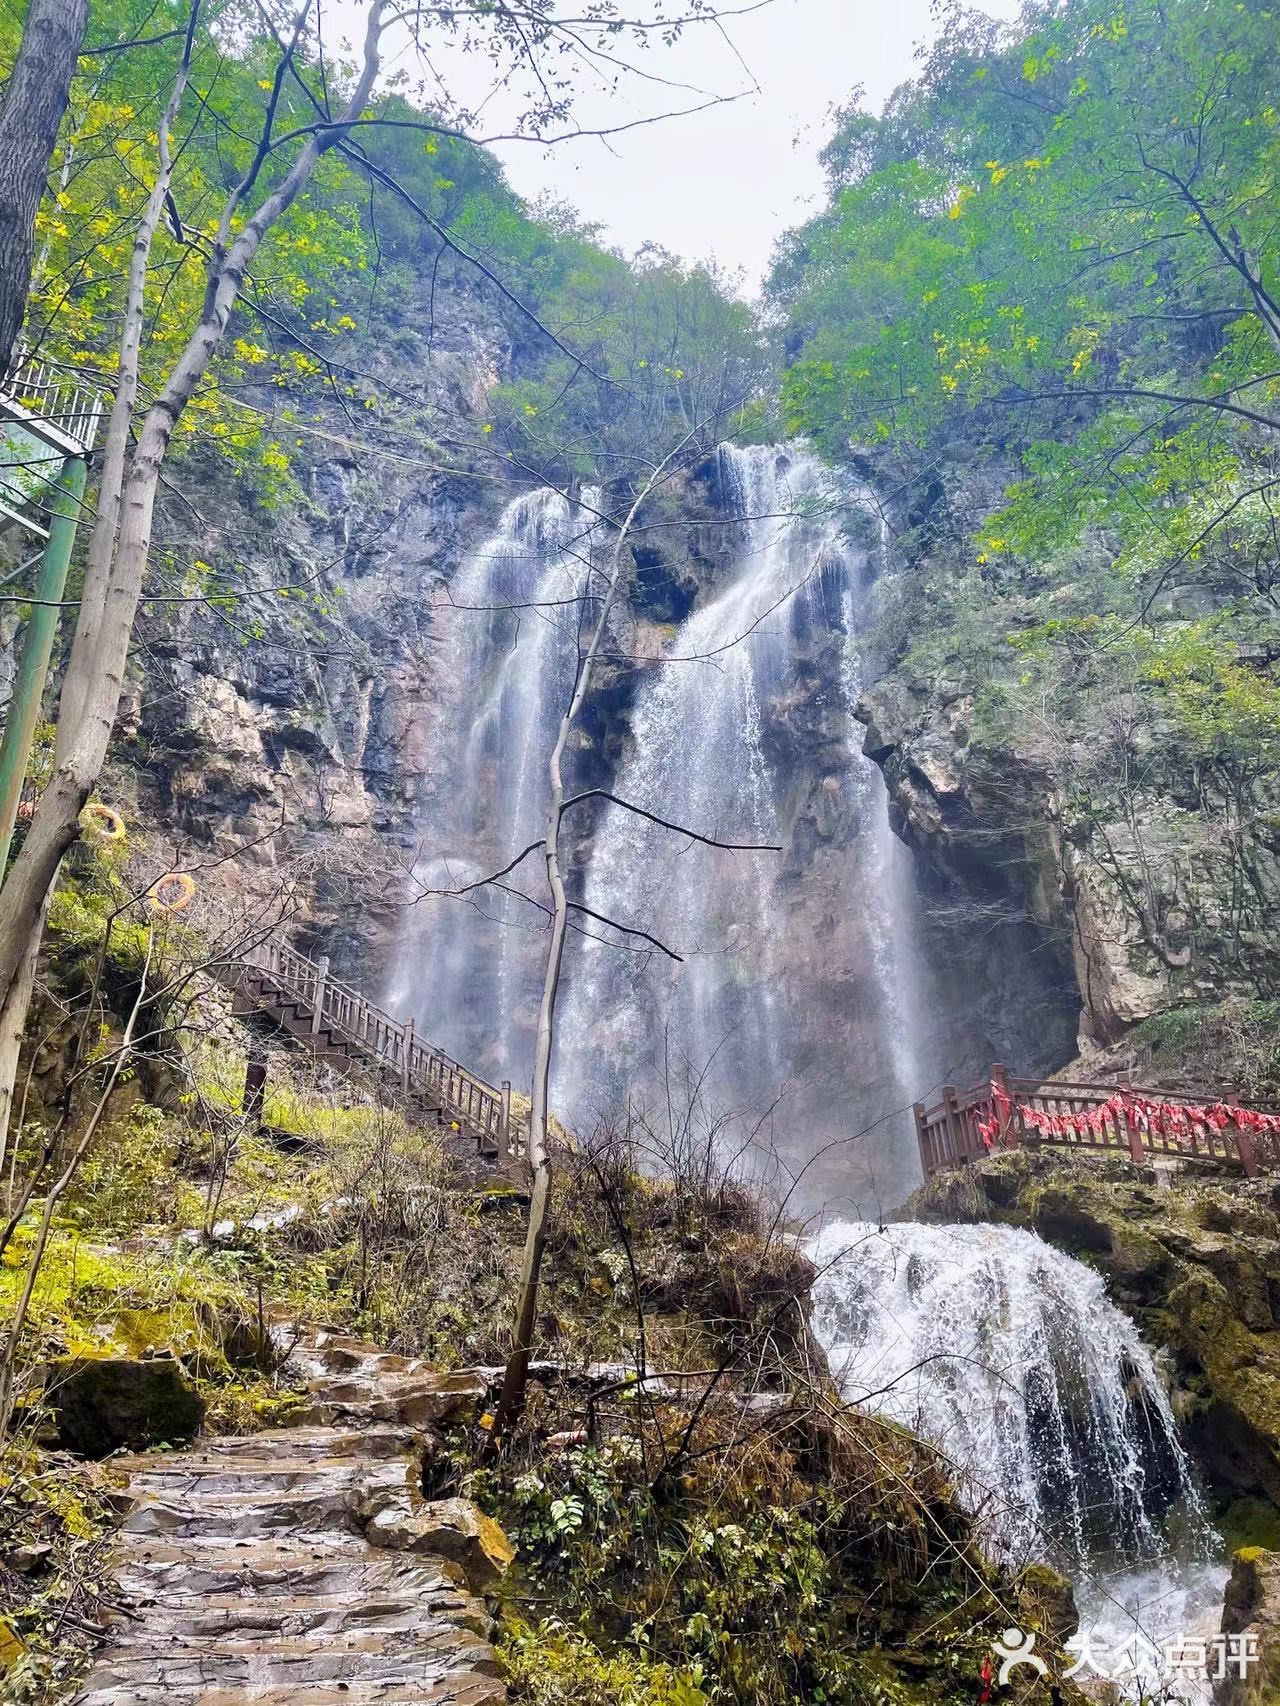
x=37, y=647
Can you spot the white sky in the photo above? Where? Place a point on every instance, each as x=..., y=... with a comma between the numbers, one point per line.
x=727, y=181
x=722, y=183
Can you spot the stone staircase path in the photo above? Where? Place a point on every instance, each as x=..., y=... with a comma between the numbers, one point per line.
x=245, y=1574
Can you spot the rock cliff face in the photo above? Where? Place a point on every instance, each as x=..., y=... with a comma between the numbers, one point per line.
x=291, y=725
x=1142, y=860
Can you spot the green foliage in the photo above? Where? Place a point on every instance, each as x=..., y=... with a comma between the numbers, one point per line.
x=673, y=361
x=47, y=1625
x=1235, y=1042
x=1058, y=249
x=750, y=1583
x=549, y=1662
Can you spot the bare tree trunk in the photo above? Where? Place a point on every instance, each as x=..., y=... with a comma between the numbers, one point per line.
x=34, y=101
x=112, y=475
x=516, y=1376
x=13, y=1023
x=95, y=676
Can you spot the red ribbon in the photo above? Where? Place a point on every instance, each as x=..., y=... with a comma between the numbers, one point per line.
x=1139, y=1113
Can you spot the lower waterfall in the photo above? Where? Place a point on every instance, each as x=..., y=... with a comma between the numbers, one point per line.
x=1010, y=1358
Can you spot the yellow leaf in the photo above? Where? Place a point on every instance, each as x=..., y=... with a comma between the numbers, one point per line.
x=11, y=1646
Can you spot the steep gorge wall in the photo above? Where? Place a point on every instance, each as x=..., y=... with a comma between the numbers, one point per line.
x=288, y=730
x=288, y=739
x=1145, y=876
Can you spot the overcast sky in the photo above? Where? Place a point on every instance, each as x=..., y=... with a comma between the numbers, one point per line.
x=723, y=182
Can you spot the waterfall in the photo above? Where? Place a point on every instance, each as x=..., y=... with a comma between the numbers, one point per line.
x=472, y=969
x=1011, y=1359
x=711, y=741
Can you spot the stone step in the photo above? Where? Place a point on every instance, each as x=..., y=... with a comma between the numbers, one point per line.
x=319, y=1441
x=241, y=1574
x=387, y=1629
x=263, y=1478
x=454, y=1689
x=288, y=1612
x=182, y=1665
x=178, y=1572
x=242, y=1516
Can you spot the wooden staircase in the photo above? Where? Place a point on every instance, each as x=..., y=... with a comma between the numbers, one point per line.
x=336, y=1024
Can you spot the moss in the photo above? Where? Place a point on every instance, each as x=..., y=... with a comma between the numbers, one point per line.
x=102, y=1404
x=1250, y=1523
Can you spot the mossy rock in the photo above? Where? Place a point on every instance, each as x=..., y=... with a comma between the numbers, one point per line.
x=1069, y=1216
x=1047, y=1601
x=1252, y=1604
x=106, y=1404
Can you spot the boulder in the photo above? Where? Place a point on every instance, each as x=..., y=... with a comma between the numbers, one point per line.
x=453, y=1529
x=1251, y=1611
x=105, y=1404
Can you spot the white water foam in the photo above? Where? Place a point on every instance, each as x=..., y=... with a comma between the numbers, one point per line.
x=1009, y=1357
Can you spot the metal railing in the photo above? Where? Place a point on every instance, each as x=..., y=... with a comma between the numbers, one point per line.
x=53, y=404
x=1006, y=1113
x=480, y=1109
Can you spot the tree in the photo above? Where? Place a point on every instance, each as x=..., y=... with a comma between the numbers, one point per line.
x=1059, y=243
x=516, y=1376
x=31, y=108
x=299, y=127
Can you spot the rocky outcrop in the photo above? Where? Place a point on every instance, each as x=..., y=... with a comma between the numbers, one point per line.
x=1251, y=1614
x=1195, y=1259
x=288, y=719
x=1133, y=889
x=105, y=1404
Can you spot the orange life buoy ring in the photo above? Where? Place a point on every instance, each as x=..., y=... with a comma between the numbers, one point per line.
x=107, y=825
x=173, y=892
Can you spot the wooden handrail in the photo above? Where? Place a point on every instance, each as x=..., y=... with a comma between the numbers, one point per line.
x=950, y=1133
x=417, y=1065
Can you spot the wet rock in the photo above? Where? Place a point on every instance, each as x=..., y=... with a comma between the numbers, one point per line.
x=105, y=1404
x=1066, y=1217
x=243, y=1574
x=1252, y=1611
x=1048, y=1601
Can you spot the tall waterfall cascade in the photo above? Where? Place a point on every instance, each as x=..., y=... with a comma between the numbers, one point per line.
x=470, y=971
x=1009, y=1356
x=708, y=751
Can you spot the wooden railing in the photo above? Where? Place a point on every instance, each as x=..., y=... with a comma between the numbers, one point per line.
x=480, y=1109
x=1002, y=1114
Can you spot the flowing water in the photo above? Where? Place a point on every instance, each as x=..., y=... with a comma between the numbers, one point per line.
x=713, y=732
x=472, y=969
x=1002, y=1351
x=1010, y=1358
